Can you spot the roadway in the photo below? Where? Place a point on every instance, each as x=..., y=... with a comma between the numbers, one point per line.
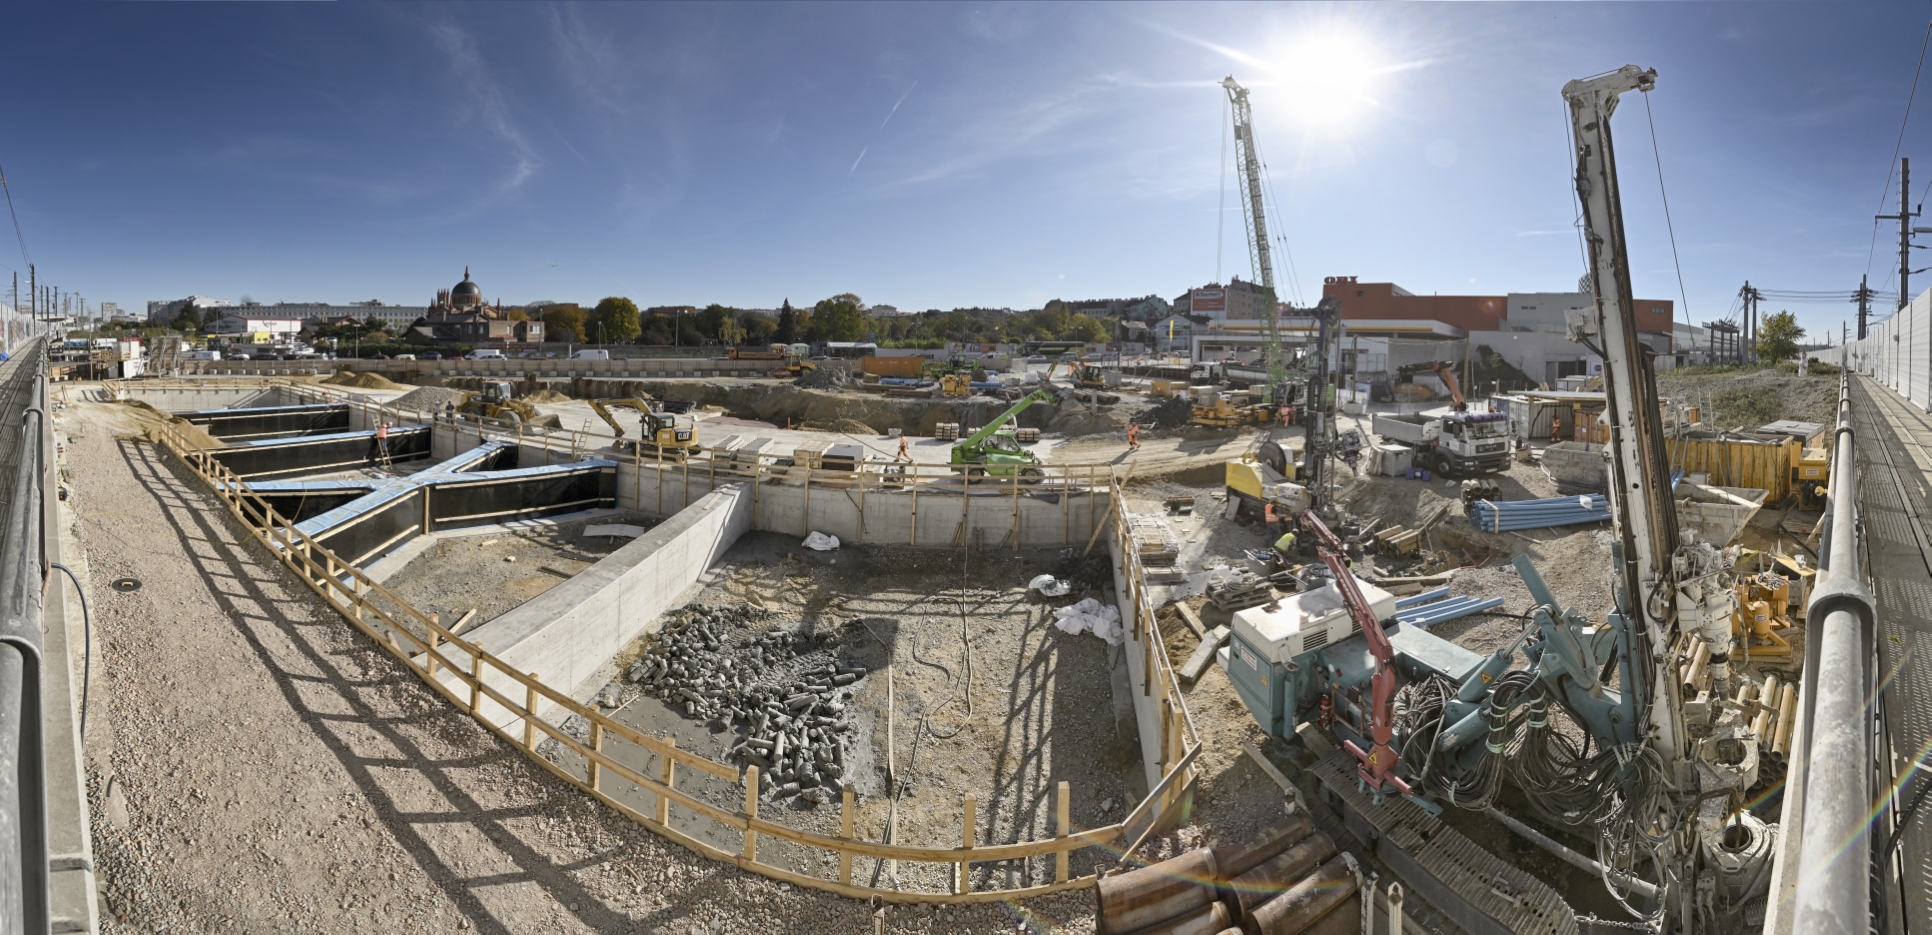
x=1894, y=491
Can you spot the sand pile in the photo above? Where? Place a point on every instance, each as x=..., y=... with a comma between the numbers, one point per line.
x=429, y=398
x=151, y=420
x=363, y=381
x=546, y=396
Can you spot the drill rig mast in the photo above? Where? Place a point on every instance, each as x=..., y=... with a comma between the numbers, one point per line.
x=1248, y=164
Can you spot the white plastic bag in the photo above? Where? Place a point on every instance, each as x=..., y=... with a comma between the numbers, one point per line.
x=821, y=542
x=1050, y=586
x=1091, y=615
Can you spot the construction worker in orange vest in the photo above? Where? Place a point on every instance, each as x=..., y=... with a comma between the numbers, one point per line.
x=1270, y=519
x=1133, y=437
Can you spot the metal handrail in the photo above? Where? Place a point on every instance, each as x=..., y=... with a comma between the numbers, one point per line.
x=25, y=875
x=1833, y=896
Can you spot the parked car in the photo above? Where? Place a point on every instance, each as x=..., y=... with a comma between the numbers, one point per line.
x=240, y=357
x=375, y=355
x=430, y=355
x=405, y=357
x=591, y=354
x=484, y=353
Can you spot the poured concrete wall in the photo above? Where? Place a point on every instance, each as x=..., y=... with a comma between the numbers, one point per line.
x=567, y=634
x=215, y=394
x=931, y=518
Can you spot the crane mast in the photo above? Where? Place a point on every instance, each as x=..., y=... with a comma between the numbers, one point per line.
x=1248, y=165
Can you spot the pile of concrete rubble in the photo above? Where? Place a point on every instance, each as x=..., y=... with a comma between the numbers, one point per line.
x=1173, y=413
x=785, y=695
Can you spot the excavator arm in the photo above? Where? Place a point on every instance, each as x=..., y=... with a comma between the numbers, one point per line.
x=603, y=409
x=1447, y=372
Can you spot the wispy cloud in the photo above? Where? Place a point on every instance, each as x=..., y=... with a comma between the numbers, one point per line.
x=486, y=102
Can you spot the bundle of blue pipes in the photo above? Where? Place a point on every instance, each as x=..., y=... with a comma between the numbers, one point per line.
x=1505, y=515
x=1433, y=607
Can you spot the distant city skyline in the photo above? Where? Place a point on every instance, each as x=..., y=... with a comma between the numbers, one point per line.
x=938, y=155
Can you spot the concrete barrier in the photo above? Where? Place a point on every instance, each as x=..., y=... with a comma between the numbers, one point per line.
x=567, y=634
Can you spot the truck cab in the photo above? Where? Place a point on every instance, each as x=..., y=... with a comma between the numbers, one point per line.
x=1456, y=444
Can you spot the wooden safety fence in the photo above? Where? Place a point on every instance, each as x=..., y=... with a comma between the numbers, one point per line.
x=354, y=595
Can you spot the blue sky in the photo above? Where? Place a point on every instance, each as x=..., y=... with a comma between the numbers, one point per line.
x=933, y=155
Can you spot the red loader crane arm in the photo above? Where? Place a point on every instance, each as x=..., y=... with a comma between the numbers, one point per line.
x=1376, y=766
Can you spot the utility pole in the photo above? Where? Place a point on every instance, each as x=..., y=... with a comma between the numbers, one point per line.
x=1904, y=218
x=1864, y=300
x=33, y=292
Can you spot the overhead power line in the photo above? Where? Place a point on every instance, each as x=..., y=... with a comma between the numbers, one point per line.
x=22, y=238
x=1899, y=146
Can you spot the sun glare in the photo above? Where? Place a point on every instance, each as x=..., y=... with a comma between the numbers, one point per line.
x=1326, y=82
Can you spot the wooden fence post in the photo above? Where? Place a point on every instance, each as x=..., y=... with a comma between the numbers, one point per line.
x=594, y=772
x=530, y=715
x=668, y=775
x=845, y=831
x=962, y=875
x=1062, y=819
x=476, y=678
x=751, y=811
x=429, y=655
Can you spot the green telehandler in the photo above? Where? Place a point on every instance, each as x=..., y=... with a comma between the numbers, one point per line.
x=995, y=449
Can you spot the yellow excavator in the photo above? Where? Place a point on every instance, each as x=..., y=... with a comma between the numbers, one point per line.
x=664, y=433
x=498, y=403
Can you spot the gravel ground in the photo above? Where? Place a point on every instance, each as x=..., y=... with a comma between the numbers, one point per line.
x=257, y=766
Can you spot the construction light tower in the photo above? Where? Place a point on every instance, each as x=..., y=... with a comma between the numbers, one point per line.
x=1248, y=163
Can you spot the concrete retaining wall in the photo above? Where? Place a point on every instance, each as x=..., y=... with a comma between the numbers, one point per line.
x=929, y=518
x=567, y=634
x=214, y=394
x=411, y=370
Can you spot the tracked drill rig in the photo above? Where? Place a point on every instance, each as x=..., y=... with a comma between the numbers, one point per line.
x=1585, y=718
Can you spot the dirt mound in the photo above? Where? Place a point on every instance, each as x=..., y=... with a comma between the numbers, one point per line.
x=151, y=421
x=546, y=396
x=362, y=381
x=428, y=399
x=824, y=378
x=1746, y=400
x=1169, y=414
x=847, y=426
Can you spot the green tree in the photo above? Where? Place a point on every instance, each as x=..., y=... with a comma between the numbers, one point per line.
x=1085, y=328
x=733, y=330
x=788, y=325
x=757, y=328
x=714, y=321
x=614, y=321
x=564, y=322
x=1778, y=337
x=189, y=318
x=839, y=318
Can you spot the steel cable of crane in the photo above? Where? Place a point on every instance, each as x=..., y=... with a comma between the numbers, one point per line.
x=1657, y=154
x=22, y=238
x=1886, y=189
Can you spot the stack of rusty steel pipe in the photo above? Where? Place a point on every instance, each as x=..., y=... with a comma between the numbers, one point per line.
x=1291, y=881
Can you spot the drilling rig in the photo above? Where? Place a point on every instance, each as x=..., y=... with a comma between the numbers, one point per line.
x=1591, y=728
x=1248, y=166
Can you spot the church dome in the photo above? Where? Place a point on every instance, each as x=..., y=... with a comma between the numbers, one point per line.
x=466, y=289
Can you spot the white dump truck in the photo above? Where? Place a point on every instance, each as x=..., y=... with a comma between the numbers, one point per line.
x=1454, y=444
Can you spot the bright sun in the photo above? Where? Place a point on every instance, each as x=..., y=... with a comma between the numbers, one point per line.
x=1326, y=82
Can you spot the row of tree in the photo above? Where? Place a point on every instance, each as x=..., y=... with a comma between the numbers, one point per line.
x=843, y=317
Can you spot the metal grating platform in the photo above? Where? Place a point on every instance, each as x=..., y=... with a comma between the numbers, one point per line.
x=1895, y=438
x=1477, y=889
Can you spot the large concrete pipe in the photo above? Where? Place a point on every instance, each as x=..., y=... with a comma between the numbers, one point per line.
x=1233, y=860
x=1279, y=875
x=1208, y=920
x=1305, y=903
x=1141, y=898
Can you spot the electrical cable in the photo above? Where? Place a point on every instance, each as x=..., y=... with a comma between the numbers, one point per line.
x=1221, y=215
x=16, y=218
x=1884, y=190
x=87, y=638
x=1657, y=154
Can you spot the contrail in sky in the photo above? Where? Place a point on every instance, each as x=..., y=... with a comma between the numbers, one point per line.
x=882, y=126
